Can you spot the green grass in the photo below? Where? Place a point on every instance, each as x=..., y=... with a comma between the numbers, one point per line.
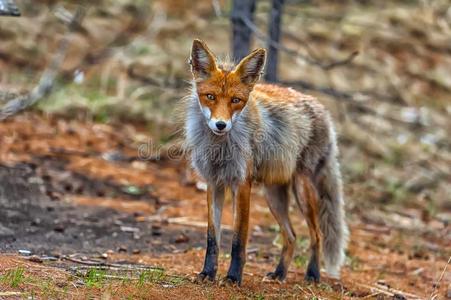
x=259, y=297
x=325, y=287
x=354, y=262
x=396, y=191
x=49, y=290
x=95, y=278
x=103, y=104
x=175, y=280
x=303, y=243
x=300, y=261
x=14, y=277
x=98, y=278
x=152, y=276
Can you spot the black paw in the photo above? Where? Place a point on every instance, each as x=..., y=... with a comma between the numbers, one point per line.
x=275, y=276
x=204, y=277
x=312, y=275
x=230, y=280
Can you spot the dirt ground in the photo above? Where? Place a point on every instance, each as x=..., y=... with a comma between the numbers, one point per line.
x=92, y=208
x=101, y=221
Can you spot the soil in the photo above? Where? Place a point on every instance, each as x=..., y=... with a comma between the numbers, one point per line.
x=75, y=194
x=89, y=210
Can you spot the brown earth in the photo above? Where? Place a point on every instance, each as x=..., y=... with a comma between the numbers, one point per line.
x=82, y=189
x=76, y=190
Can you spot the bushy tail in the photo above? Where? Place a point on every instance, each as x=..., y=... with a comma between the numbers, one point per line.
x=332, y=216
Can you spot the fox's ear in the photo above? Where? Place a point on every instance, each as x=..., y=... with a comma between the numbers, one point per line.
x=251, y=67
x=202, y=60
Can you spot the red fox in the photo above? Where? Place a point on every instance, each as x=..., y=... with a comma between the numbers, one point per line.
x=239, y=132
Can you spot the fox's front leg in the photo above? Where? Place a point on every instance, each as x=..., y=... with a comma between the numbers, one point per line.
x=215, y=199
x=241, y=198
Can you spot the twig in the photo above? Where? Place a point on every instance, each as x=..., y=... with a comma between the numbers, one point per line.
x=325, y=66
x=48, y=77
x=104, y=265
x=372, y=295
x=387, y=291
x=88, y=263
x=434, y=291
x=10, y=294
x=395, y=291
x=186, y=222
x=127, y=268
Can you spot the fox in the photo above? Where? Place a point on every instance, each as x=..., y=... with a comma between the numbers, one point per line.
x=239, y=132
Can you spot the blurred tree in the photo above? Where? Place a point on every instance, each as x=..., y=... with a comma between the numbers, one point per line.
x=46, y=82
x=241, y=34
x=275, y=18
x=9, y=8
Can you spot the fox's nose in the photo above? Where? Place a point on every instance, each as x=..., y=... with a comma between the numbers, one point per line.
x=221, y=125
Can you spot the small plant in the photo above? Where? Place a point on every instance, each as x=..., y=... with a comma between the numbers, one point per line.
x=48, y=289
x=14, y=277
x=300, y=261
x=303, y=243
x=325, y=287
x=156, y=275
x=396, y=191
x=354, y=262
x=431, y=208
x=259, y=297
x=143, y=276
x=95, y=277
x=176, y=280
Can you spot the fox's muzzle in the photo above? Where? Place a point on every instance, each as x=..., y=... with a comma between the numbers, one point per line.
x=219, y=127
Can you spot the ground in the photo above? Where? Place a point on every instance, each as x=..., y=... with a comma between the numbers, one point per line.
x=96, y=202
x=100, y=220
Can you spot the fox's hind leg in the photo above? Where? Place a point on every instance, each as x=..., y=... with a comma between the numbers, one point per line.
x=306, y=196
x=278, y=202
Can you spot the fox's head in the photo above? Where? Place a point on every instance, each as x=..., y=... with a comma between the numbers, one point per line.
x=223, y=93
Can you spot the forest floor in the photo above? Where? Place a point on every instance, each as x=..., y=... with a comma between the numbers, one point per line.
x=87, y=213
x=88, y=209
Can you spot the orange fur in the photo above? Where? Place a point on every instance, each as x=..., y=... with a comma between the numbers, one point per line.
x=312, y=214
x=224, y=86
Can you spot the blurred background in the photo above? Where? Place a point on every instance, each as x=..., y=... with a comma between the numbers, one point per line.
x=382, y=67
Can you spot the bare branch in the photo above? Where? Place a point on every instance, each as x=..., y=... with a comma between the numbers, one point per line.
x=437, y=283
x=326, y=66
x=48, y=77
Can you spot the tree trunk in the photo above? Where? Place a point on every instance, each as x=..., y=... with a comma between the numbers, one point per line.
x=275, y=19
x=241, y=34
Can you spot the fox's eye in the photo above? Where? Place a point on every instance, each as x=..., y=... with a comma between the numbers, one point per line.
x=236, y=100
x=210, y=97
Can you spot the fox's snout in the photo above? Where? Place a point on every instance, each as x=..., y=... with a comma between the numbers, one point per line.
x=219, y=127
